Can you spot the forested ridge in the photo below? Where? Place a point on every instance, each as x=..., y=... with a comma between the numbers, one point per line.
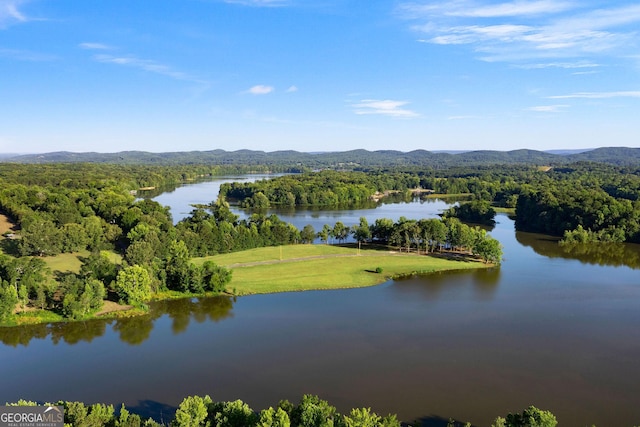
x=344, y=159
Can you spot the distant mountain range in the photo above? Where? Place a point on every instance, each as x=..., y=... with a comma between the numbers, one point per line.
x=622, y=156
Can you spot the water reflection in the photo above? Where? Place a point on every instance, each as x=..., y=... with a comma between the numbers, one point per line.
x=134, y=330
x=482, y=283
x=199, y=309
x=605, y=254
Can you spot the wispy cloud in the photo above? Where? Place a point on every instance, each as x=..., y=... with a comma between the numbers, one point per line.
x=549, y=108
x=565, y=65
x=259, y=3
x=95, y=46
x=385, y=107
x=599, y=95
x=151, y=67
x=26, y=55
x=10, y=12
x=291, y=89
x=260, y=90
x=467, y=117
x=522, y=30
x=471, y=9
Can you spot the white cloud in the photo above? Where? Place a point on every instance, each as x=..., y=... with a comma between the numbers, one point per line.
x=581, y=73
x=519, y=31
x=566, y=65
x=260, y=90
x=94, y=46
x=9, y=12
x=470, y=9
x=516, y=8
x=292, y=88
x=385, y=107
x=599, y=95
x=549, y=108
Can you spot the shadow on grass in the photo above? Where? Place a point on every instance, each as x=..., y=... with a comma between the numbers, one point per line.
x=10, y=246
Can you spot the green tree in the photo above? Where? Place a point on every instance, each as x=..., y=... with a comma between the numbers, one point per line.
x=382, y=229
x=232, y=414
x=74, y=238
x=361, y=232
x=259, y=201
x=362, y=417
x=324, y=234
x=313, y=412
x=489, y=249
x=192, y=412
x=82, y=298
x=177, y=266
x=139, y=252
x=40, y=237
x=273, y=418
x=340, y=231
x=133, y=285
x=98, y=265
x=531, y=417
x=8, y=301
x=214, y=277
x=307, y=234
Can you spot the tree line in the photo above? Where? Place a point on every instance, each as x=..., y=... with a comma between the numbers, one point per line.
x=603, y=200
x=324, y=188
x=311, y=411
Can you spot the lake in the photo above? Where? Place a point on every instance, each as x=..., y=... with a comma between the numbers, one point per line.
x=550, y=328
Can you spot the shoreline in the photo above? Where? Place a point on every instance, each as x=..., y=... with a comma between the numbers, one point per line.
x=306, y=268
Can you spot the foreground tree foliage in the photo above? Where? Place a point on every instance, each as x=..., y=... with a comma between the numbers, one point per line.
x=530, y=417
x=197, y=411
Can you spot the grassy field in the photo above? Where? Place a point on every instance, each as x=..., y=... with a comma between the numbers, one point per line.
x=70, y=262
x=309, y=267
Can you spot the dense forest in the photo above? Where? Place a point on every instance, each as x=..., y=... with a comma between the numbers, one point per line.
x=93, y=209
x=312, y=411
x=587, y=201
x=132, y=251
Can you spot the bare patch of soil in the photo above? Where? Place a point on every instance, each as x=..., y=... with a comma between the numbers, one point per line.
x=111, y=307
x=6, y=224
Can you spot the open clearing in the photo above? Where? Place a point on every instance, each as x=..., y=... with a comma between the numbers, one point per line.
x=309, y=267
x=5, y=224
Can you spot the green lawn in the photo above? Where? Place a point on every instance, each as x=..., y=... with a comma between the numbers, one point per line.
x=343, y=267
x=70, y=262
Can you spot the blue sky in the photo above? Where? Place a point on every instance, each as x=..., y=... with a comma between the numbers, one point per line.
x=318, y=75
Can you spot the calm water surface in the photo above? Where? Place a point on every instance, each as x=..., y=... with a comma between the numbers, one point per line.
x=551, y=329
